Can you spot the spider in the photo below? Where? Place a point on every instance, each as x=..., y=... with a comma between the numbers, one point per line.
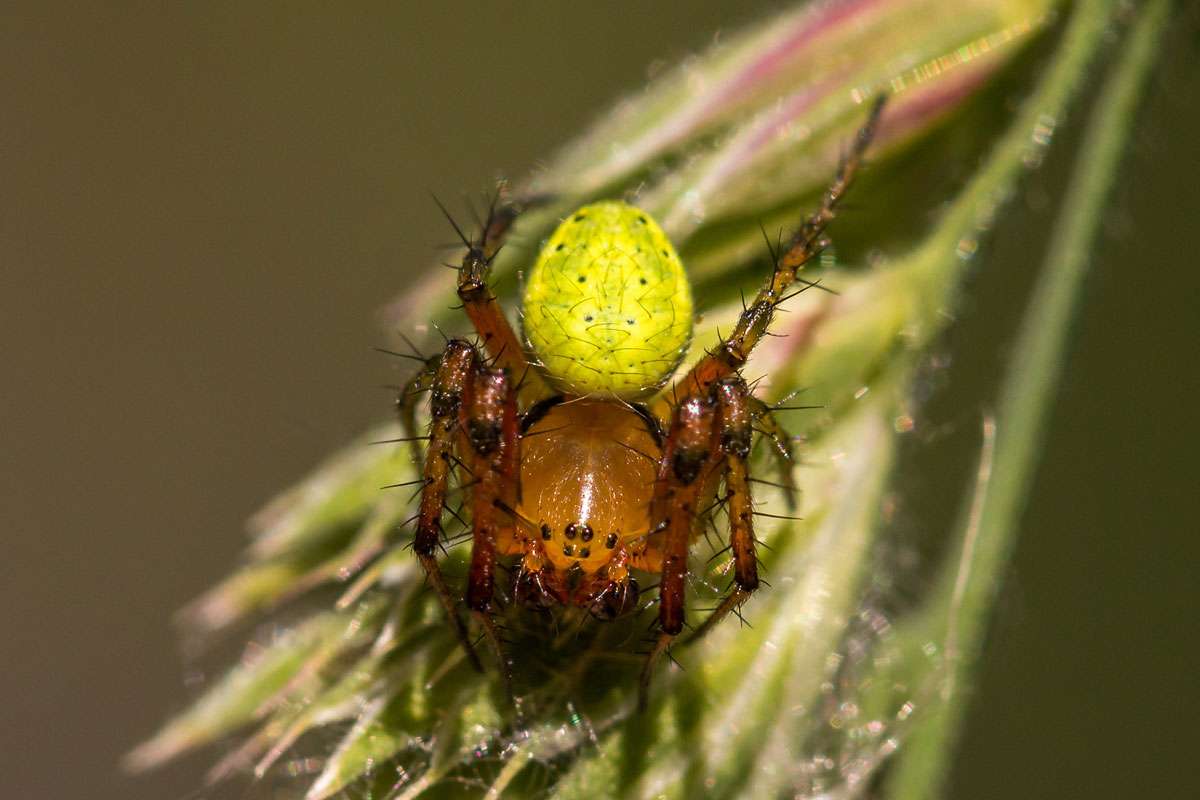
x=582, y=467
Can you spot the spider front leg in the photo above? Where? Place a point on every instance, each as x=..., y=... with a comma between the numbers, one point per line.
x=687, y=459
x=492, y=430
x=480, y=304
x=452, y=384
x=707, y=434
x=807, y=242
x=735, y=413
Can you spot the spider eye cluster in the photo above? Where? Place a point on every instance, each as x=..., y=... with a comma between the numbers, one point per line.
x=607, y=309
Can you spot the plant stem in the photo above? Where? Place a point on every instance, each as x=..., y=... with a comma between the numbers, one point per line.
x=1026, y=398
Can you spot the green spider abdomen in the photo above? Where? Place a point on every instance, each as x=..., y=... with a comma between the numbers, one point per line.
x=608, y=309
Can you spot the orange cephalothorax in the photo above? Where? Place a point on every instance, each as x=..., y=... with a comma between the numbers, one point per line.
x=587, y=476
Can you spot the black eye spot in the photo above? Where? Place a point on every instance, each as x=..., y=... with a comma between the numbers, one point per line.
x=579, y=218
x=568, y=550
x=610, y=541
x=628, y=322
x=641, y=219
x=584, y=552
x=560, y=247
x=588, y=318
x=571, y=530
x=586, y=533
x=642, y=281
x=583, y=279
x=664, y=253
x=545, y=531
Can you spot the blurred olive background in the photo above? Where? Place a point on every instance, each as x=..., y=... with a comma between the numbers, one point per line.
x=204, y=206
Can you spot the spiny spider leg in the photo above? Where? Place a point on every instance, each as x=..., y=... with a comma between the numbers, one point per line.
x=735, y=412
x=712, y=424
x=707, y=433
x=495, y=332
x=452, y=385
x=492, y=429
x=781, y=449
x=406, y=403
x=808, y=241
x=734, y=422
x=687, y=453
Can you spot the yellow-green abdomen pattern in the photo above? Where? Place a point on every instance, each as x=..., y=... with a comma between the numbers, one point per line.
x=608, y=309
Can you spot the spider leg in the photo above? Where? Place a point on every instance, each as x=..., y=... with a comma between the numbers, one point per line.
x=406, y=403
x=492, y=430
x=687, y=456
x=807, y=241
x=707, y=434
x=480, y=304
x=452, y=384
x=782, y=450
x=734, y=405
